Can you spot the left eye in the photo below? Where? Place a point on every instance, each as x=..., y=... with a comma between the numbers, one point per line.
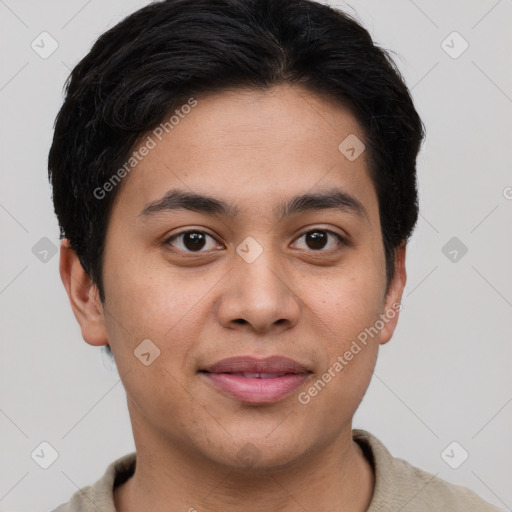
x=318, y=239
x=192, y=241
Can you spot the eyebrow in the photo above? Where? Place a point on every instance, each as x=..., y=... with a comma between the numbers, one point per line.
x=335, y=198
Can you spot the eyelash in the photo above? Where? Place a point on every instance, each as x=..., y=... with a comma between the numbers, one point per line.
x=341, y=239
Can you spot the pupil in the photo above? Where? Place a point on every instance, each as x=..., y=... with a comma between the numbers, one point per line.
x=316, y=239
x=194, y=241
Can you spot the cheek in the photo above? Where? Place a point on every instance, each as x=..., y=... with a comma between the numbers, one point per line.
x=349, y=301
x=349, y=351
x=342, y=313
x=157, y=303
x=344, y=309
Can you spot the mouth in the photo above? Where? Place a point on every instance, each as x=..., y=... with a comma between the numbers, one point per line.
x=256, y=381
x=254, y=375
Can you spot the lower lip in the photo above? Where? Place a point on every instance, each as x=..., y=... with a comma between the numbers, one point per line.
x=256, y=391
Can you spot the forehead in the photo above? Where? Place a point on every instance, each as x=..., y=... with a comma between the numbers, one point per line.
x=252, y=149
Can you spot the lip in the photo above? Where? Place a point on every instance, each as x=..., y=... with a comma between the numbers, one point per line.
x=281, y=376
x=271, y=364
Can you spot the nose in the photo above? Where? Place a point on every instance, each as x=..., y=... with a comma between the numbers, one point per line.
x=258, y=296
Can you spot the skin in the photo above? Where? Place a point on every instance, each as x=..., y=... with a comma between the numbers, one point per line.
x=254, y=150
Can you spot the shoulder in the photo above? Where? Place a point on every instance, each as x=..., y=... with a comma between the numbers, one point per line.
x=99, y=497
x=78, y=501
x=401, y=486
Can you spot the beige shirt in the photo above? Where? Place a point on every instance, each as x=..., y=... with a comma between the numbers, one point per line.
x=399, y=487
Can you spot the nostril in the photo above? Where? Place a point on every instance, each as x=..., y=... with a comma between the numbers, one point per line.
x=240, y=321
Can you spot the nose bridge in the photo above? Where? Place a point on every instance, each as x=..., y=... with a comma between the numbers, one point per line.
x=260, y=278
x=257, y=292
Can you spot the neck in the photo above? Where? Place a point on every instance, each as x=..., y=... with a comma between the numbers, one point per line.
x=168, y=478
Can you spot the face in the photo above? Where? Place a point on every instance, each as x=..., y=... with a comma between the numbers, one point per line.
x=250, y=272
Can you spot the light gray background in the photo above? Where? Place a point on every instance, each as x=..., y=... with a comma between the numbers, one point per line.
x=444, y=377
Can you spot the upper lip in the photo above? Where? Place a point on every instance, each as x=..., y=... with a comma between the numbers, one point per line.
x=250, y=364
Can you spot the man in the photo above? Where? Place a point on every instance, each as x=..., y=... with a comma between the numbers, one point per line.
x=235, y=184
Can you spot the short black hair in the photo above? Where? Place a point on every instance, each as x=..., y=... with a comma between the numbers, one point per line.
x=159, y=57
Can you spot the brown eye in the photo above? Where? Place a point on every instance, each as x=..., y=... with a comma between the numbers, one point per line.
x=191, y=241
x=320, y=239
x=316, y=239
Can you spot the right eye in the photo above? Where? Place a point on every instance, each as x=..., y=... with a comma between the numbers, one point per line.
x=191, y=241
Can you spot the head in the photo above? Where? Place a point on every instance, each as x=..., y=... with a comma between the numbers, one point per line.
x=252, y=116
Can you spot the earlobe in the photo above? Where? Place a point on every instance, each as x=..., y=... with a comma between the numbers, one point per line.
x=393, y=305
x=83, y=296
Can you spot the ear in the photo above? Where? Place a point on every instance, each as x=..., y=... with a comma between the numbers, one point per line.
x=83, y=296
x=392, y=303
